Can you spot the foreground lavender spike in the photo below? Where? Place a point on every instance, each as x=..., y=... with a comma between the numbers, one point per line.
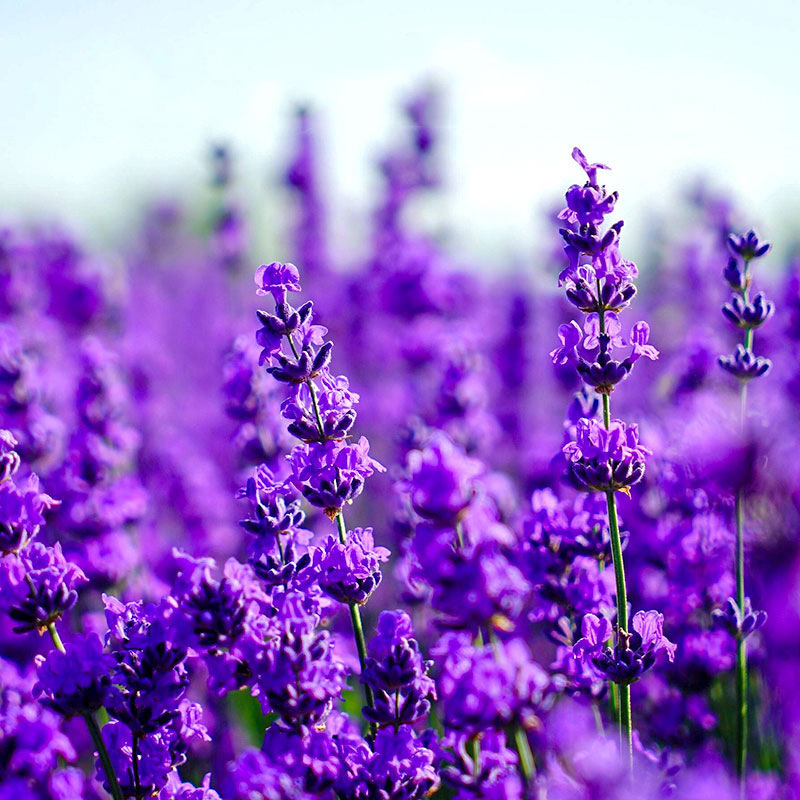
x=37, y=586
x=746, y=313
x=603, y=457
x=327, y=469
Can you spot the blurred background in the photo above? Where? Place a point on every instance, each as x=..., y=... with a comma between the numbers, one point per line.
x=107, y=103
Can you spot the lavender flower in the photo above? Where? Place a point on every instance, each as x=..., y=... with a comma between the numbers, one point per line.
x=748, y=246
x=22, y=506
x=401, y=766
x=350, y=572
x=744, y=365
x=76, y=681
x=739, y=623
x=440, y=481
x=37, y=586
x=297, y=677
x=605, y=459
x=634, y=653
x=491, y=686
x=277, y=279
x=397, y=673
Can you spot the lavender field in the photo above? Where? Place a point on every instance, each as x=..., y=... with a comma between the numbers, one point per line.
x=380, y=522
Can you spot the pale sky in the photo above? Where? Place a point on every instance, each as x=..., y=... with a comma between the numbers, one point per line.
x=106, y=101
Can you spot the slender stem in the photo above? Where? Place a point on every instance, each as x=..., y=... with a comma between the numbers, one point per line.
x=358, y=631
x=613, y=701
x=523, y=747
x=57, y=643
x=105, y=759
x=135, y=762
x=622, y=621
x=741, y=644
x=355, y=612
x=460, y=536
x=624, y=697
x=94, y=729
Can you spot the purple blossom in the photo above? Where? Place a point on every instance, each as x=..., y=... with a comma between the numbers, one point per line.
x=277, y=279
x=748, y=246
x=332, y=474
x=586, y=166
x=400, y=767
x=76, y=681
x=748, y=314
x=350, y=572
x=635, y=652
x=22, y=509
x=397, y=673
x=605, y=459
x=490, y=686
x=38, y=585
x=176, y=789
x=739, y=623
x=296, y=676
x=254, y=775
x=744, y=364
x=441, y=481
x=571, y=336
x=9, y=458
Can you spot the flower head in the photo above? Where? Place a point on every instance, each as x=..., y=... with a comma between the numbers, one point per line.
x=748, y=246
x=277, y=279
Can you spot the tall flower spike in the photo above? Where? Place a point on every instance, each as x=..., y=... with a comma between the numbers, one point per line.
x=603, y=456
x=746, y=314
x=326, y=467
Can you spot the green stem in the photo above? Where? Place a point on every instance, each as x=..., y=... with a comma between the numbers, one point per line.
x=626, y=730
x=358, y=630
x=94, y=729
x=613, y=700
x=741, y=645
x=57, y=643
x=523, y=747
x=625, y=722
x=355, y=612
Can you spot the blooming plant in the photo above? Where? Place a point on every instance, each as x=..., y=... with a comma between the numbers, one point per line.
x=239, y=563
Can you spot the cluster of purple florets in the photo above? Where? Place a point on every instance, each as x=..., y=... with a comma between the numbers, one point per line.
x=212, y=589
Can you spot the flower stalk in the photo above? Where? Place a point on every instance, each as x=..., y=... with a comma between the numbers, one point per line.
x=94, y=729
x=747, y=314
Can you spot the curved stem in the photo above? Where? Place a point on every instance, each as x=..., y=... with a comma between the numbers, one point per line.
x=94, y=729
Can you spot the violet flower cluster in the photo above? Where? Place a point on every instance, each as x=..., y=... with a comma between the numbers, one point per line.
x=472, y=630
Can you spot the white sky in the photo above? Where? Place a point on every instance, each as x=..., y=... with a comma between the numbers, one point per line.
x=103, y=101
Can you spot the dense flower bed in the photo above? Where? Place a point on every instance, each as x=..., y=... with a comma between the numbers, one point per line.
x=237, y=561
